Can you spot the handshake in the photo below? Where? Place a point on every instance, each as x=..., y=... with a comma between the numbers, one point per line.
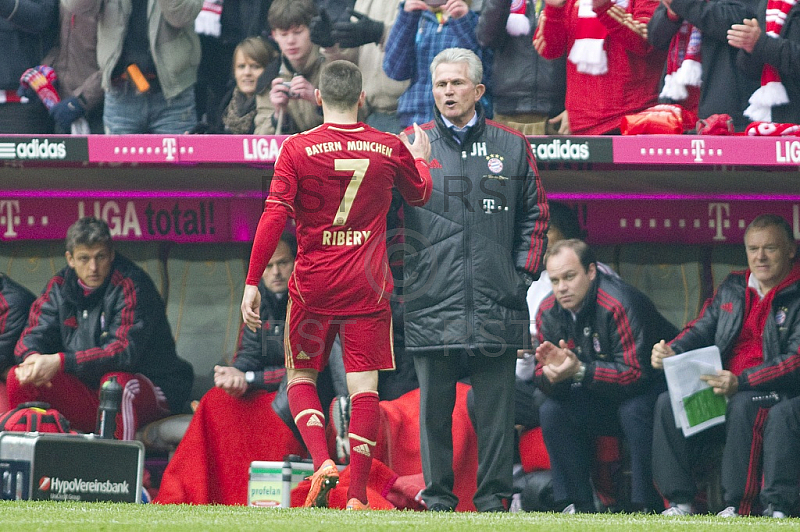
x=347, y=34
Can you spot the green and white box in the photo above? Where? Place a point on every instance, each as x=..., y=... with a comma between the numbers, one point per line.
x=271, y=483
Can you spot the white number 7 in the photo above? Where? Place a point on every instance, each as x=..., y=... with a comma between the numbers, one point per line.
x=359, y=169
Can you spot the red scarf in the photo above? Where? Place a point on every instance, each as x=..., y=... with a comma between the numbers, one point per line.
x=772, y=92
x=683, y=63
x=749, y=348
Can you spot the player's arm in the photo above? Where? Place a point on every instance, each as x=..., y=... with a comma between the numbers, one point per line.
x=414, y=179
x=278, y=205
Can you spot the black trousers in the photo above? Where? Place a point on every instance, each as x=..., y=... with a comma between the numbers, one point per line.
x=570, y=426
x=25, y=119
x=782, y=457
x=676, y=458
x=492, y=378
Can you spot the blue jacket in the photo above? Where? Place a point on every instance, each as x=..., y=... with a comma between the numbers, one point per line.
x=416, y=38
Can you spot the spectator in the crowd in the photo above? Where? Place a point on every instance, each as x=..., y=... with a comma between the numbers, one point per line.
x=15, y=301
x=203, y=469
x=418, y=34
x=289, y=106
x=362, y=39
x=27, y=31
x=595, y=333
x=780, y=493
x=221, y=26
x=253, y=70
x=481, y=258
x=769, y=50
x=100, y=317
x=754, y=320
x=528, y=90
x=612, y=70
x=74, y=59
x=148, y=53
x=723, y=89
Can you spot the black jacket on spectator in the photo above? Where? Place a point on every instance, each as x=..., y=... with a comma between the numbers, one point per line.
x=724, y=89
x=120, y=326
x=784, y=55
x=15, y=301
x=522, y=80
x=25, y=37
x=613, y=334
x=262, y=351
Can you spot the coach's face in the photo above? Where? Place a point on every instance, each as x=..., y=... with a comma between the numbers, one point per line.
x=571, y=282
x=455, y=95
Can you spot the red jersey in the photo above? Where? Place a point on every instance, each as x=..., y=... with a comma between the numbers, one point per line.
x=337, y=180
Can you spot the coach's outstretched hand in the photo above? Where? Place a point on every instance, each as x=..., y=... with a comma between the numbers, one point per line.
x=251, y=303
x=421, y=148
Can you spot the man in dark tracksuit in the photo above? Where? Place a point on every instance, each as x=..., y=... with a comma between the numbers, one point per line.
x=471, y=253
x=98, y=318
x=15, y=301
x=754, y=320
x=595, y=333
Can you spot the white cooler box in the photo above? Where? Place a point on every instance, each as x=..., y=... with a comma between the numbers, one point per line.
x=69, y=467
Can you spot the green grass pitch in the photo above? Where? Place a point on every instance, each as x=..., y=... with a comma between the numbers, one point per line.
x=69, y=516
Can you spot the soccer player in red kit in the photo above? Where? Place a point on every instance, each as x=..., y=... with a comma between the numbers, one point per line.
x=337, y=180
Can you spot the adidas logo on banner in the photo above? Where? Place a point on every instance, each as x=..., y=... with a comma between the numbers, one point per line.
x=314, y=421
x=302, y=356
x=362, y=449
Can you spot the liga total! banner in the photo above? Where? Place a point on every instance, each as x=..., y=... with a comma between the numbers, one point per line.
x=179, y=219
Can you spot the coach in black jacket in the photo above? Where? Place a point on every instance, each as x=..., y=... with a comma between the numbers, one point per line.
x=100, y=316
x=754, y=320
x=595, y=333
x=471, y=253
x=15, y=301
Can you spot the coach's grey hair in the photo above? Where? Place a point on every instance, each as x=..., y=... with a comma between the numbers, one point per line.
x=460, y=55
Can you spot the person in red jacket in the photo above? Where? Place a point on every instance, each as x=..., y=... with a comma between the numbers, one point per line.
x=337, y=181
x=612, y=70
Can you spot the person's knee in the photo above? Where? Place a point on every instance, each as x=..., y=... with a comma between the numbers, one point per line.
x=550, y=414
x=362, y=381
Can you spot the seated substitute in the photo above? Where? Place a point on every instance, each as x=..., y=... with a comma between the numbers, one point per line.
x=99, y=317
x=754, y=320
x=237, y=413
x=15, y=301
x=594, y=333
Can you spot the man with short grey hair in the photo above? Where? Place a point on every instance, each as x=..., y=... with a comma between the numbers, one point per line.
x=471, y=253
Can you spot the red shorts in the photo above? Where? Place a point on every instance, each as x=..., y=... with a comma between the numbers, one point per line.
x=366, y=339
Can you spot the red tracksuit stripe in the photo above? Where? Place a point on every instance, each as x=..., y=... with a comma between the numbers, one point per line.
x=35, y=314
x=753, y=483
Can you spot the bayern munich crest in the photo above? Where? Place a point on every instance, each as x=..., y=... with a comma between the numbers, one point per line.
x=780, y=317
x=495, y=164
x=596, y=344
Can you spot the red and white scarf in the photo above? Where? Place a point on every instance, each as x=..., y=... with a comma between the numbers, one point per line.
x=518, y=23
x=587, y=52
x=772, y=92
x=684, y=67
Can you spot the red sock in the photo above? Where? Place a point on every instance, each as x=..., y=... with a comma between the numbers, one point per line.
x=364, y=425
x=307, y=412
